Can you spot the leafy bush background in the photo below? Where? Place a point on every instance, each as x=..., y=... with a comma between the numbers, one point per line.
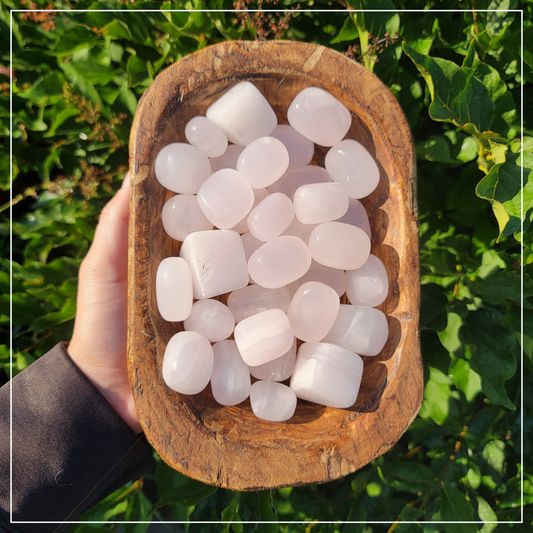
x=78, y=77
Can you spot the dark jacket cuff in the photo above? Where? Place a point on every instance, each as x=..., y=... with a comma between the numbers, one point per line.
x=70, y=448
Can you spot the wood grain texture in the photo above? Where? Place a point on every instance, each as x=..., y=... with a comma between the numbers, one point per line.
x=229, y=446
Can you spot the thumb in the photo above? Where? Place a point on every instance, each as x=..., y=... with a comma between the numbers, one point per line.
x=107, y=258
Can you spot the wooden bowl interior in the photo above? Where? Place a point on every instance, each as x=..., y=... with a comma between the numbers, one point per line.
x=189, y=431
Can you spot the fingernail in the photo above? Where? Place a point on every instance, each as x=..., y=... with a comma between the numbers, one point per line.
x=126, y=181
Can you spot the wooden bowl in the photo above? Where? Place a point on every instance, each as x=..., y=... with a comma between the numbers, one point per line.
x=228, y=446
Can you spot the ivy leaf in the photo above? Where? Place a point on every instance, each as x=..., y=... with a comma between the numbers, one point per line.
x=457, y=96
x=465, y=379
x=454, y=507
x=436, y=397
x=502, y=187
x=488, y=348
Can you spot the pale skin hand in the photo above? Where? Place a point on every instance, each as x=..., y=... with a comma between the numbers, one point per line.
x=98, y=345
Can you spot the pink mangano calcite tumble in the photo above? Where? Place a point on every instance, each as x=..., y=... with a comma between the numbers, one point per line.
x=281, y=241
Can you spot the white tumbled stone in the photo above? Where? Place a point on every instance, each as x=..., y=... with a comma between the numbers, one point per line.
x=350, y=164
x=357, y=216
x=243, y=113
x=301, y=150
x=313, y=311
x=182, y=215
x=279, y=262
x=263, y=337
x=271, y=217
x=182, y=168
x=254, y=299
x=259, y=196
x=206, y=136
x=368, y=285
x=230, y=380
x=327, y=374
x=188, y=362
x=272, y=401
x=315, y=203
x=217, y=262
x=263, y=162
x=225, y=198
x=212, y=319
x=363, y=330
x=339, y=245
x=173, y=289
x=251, y=244
x=333, y=277
x=297, y=176
x=228, y=159
x=278, y=370
x=300, y=230
x=319, y=116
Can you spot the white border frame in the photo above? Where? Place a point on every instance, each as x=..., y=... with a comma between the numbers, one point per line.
x=11, y=11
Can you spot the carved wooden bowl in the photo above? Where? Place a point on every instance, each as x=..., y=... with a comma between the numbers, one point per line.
x=228, y=446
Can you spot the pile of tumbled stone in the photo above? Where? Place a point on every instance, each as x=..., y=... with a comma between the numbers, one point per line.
x=290, y=240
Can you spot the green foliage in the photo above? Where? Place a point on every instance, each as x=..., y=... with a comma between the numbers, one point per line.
x=457, y=76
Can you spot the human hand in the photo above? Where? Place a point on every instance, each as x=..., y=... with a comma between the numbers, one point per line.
x=98, y=345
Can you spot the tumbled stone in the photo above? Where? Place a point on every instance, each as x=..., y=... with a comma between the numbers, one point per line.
x=254, y=299
x=350, y=164
x=188, y=362
x=278, y=370
x=212, y=319
x=228, y=159
x=339, y=245
x=357, y=216
x=279, y=262
x=173, y=289
x=319, y=116
x=263, y=337
x=259, y=196
x=315, y=203
x=243, y=113
x=363, y=330
x=182, y=168
x=368, y=285
x=217, y=262
x=301, y=150
x=313, y=311
x=296, y=177
x=302, y=231
x=225, y=198
x=206, y=136
x=272, y=401
x=333, y=277
x=271, y=217
x=263, y=162
x=230, y=380
x=182, y=215
x=327, y=374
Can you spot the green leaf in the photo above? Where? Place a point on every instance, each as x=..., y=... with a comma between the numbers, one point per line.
x=488, y=349
x=502, y=187
x=487, y=514
x=494, y=454
x=46, y=90
x=436, y=397
x=72, y=40
x=456, y=95
x=117, y=29
x=409, y=477
x=189, y=493
x=348, y=32
x=454, y=507
x=465, y=379
x=449, y=337
x=432, y=313
x=502, y=16
x=140, y=72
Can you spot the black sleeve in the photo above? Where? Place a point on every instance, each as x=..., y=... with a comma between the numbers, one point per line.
x=71, y=449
